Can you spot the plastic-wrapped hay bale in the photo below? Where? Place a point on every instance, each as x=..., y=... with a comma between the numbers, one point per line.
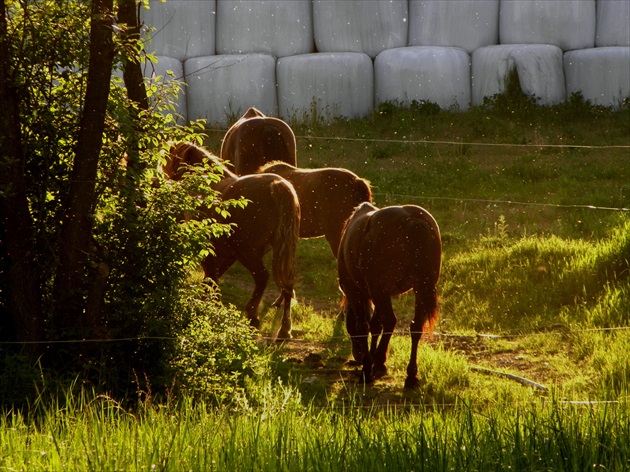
x=539, y=68
x=221, y=88
x=166, y=70
x=468, y=25
x=325, y=86
x=276, y=27
x=181, y=28
x=613, y=23
x=359, y=26
x=423, y=73
x=568, y=24
x=601, y=75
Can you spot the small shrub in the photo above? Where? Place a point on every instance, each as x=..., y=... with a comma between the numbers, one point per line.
x=217, y=351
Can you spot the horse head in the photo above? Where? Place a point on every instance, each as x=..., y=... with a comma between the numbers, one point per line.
x=183, y=155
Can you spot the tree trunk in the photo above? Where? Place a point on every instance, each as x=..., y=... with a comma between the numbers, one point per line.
x=132, y=72
x=77, y=226
x=20, y=278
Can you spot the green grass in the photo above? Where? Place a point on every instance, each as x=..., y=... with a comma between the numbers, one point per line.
x=283, y=435
x=535, y=236
x=531, y=257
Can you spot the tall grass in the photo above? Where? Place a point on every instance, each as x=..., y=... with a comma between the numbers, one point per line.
x=97, y=434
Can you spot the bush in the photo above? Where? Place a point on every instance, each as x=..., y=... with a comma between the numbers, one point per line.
x=217, y=351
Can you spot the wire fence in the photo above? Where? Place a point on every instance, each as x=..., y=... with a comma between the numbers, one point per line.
x=479, y=144
x=328, y=339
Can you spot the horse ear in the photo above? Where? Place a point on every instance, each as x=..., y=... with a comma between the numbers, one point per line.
x=253, y=112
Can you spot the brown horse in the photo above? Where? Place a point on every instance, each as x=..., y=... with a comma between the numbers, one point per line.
x=383, y=253
x=270, y=220
x=256, y=139
x=327, y=196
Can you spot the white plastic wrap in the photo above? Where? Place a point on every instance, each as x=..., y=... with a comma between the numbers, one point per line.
x=181, y=28
x=468, y=25
x=328, y=84
x=602, y=75
x=166, y=70
x=276, y=27
x=359, y=26
x=568, y=24
x=423, y=73
x=221, y=88
x=539, y=68
x=613, y=23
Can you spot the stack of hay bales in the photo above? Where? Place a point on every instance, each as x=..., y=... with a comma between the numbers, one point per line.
x=341, y=58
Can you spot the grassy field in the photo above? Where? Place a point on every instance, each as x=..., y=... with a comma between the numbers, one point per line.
x=534, y=216
x=528, y=368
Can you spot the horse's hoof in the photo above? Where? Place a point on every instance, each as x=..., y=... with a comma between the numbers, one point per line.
x=412, y=382
x=283, y=335
x=366, y=379
x=254, y=323
x=379, y=371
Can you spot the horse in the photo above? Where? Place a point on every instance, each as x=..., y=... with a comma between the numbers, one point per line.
x=256, y=139
x=269, y=221
x=386, y=252
x=327, y=196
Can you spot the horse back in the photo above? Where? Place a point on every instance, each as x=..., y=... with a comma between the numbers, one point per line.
x=269, y=198
x=252, y=142
x=393, y=249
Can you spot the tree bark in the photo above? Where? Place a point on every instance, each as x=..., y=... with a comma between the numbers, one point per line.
x=132, y=72
x=77, y=226
x=20, y=277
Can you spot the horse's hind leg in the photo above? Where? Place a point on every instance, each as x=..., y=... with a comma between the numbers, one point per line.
x=384, y=313
x=285, y=328
x=260, y=275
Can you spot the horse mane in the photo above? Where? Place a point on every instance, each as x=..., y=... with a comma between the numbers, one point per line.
x=264, y=168
x=363, y=207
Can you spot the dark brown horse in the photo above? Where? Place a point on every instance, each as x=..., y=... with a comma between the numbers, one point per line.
x=270, y=220
x=327, y=196
x=383, y=253
x=256, y=139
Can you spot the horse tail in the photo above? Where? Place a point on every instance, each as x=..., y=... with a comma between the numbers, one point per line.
x=286, y=235
x=278, y=143
x=427, y=299
x=432, y=312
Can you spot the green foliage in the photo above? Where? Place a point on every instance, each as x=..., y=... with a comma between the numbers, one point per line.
x=216, y=352
x=148, y=234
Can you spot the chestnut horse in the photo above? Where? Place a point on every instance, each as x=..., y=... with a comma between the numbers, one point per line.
x=327, y=196
x=256, y=139
x=270, y=220
x=383, y=253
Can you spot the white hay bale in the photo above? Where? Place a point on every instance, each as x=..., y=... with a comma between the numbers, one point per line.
x=539, y=68
x=368, y=27
x=328, y=85
x=601, y=75
x=276, y=27
x=568, y=24
x=181, y=28
x=423, y=73
x=223, y=87
x=468, y=25
x=613, y=23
